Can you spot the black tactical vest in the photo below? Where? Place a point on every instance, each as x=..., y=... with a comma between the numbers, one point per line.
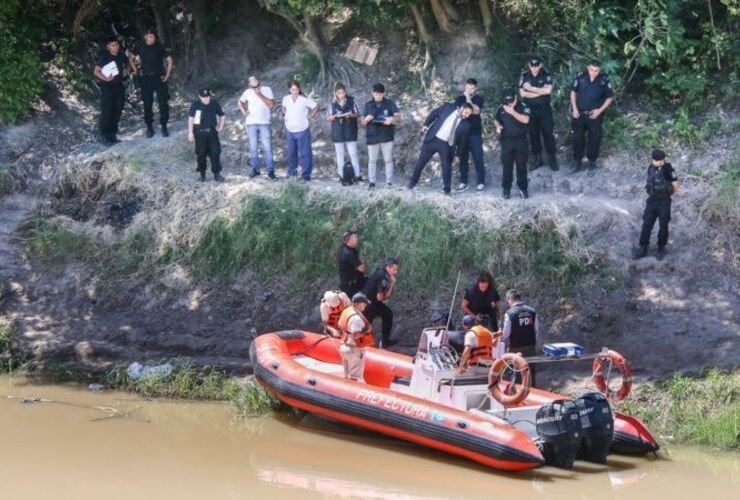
x=658, y=186
x=522, y=319
x=343, y=129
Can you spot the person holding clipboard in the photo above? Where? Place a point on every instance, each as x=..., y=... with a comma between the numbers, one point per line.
x=343, y=113
x=108, y=71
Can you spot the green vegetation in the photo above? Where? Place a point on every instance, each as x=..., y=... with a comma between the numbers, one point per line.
x=53, y=244
x=6, y=182
x=724, y=206
x=431, y=245
x=703, y=410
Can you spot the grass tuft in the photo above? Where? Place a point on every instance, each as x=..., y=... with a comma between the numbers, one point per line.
x=53, y=244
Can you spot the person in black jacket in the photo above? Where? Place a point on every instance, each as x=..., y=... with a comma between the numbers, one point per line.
x=109, y=67
x=378, y=289
x=154, y=68
x=446, y=133
x=205, y=120
x=342, y=115
x=662, y=183
x=511, y=122
x=351, y=264
x=521, y=327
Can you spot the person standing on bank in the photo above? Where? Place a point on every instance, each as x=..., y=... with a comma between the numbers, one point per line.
x=446, y=133
x=662, y=183
x=482, y=301
x=474, y=142
x=342, y=115
x=380, y=117
x=298, y=110
x=535, y=88
x=521, y=327
x=351, y=265
x=255, y=104
x=512, y=118
x=155, y=67
x=378, y=289
x=109, y=67
x=590, y=95
x=356, y=332
x=205, y=120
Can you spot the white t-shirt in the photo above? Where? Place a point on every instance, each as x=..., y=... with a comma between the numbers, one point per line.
x=296, y=112
x=354, y=325
x=259, y=113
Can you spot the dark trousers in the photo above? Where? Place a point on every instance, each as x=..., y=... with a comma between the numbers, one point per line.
x=474, y=147
x=594, y=128
x=514, y=150
x=379, y=309
x=660, y=209
x=526, y=351
x=542, y=124
x=112, y=99
x=149, y=85
x=207, y=145
x=352, y=288
x=428, y=149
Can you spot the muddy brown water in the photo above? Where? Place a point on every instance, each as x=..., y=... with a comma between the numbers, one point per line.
x=76, y=444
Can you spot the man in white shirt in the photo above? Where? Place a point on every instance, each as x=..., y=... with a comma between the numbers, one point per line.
x=446, y=129
x=255, y=104
x=298, y=110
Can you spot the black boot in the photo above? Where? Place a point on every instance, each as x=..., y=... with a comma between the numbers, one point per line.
x=537, y=163
x=660, y=254
x=218, y=177
x=591, y=167
x=202, y=176
x=554, y=163
x=640, y=252
x=165, y=132
x=149, y=132
x=507, y=194
x=577, y=167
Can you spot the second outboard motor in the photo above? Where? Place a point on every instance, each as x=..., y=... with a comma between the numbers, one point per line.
x=597, y=423
x=559, y=431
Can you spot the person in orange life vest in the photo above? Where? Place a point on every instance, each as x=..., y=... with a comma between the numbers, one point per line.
x=479, y=345
x=332, y=305
x=356, y=333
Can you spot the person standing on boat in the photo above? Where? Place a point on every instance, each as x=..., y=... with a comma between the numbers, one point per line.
x=356, y=333
x=480, y=343
x=332, y=304
x=378, y=289
x=521, y=327
x=482, y=301
x=351, y=265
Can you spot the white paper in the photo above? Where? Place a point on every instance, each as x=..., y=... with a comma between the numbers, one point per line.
x=196, y=118
x=110, y=70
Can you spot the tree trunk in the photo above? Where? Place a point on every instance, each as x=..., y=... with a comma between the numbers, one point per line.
x=315, y=42
x=85, y=12
x=426, y=39
x=161, y=18
x=486, y=15
x=441, y=16
x=450, y=10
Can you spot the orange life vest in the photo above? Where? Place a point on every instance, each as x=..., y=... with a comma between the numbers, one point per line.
x=367, y=329
x=485, y=345
x=335, y=313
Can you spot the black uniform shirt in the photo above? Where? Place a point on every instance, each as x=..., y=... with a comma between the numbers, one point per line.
x=591, y=95
x=152, y=58
x=377, y=133
x=521, y=326
x=511, y=126
x=543, y=78
x=378, y=282
x=349, y=261
x=480, y=302
x=476, y=126
x=209, y=113
x=104, y=58
x=660, y=181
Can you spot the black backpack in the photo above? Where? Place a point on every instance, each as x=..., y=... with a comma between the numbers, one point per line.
x=348, y=175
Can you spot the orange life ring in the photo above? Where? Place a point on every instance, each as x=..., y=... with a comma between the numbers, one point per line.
x=512, y=361
x=624, y=370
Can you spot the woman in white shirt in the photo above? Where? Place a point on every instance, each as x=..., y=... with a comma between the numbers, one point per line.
x=298, y=110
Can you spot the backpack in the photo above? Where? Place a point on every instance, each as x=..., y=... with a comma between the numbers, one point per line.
x=348, y=175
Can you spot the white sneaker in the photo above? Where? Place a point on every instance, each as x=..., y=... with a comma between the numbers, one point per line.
x=462, y=187
x=480, y=187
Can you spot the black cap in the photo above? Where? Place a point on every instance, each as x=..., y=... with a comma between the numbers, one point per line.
x=379, y=87
x=360, y=297
x=658, y=154
x=205, y=93
x=508, y=96
x=535, y=61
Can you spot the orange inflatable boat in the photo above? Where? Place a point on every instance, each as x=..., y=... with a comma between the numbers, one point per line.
x=424, y=400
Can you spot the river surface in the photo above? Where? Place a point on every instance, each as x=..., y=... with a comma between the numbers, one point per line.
x=77, y=444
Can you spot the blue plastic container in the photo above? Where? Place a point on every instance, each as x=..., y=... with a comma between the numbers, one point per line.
x=563, y=349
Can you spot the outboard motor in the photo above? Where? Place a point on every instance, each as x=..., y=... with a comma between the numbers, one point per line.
x=559, y=430
x=597, y=423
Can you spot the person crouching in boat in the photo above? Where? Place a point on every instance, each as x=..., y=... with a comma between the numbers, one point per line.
x=480, y=343
x=356, y=333
x=332, y=304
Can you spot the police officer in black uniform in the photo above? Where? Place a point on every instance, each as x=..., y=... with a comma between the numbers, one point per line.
x=535, y=88
x=512, y=118
x=379, y=288
x=351, y=265
x=109, y=67
x=590, y=95
x=521, y=327
x=662, y=183
x=154, y=72
x=206, y=120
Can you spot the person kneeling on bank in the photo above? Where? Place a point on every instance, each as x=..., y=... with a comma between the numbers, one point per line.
x=480, y=343
x=356, y=333
x=206, y=120
x=332, y=305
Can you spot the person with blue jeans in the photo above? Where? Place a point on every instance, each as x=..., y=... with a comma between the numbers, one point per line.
x=255, y=104
x=298, y=110
x=474, y=144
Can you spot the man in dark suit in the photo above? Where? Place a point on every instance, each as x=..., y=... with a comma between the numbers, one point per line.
x=446, y=133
